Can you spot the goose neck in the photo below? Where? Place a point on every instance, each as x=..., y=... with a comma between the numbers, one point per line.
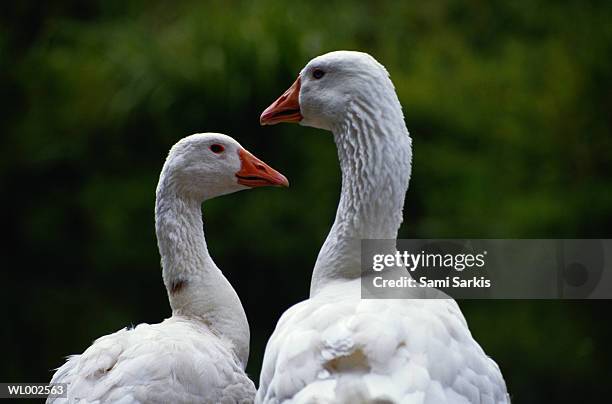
x=375, y=153
x=197, y=289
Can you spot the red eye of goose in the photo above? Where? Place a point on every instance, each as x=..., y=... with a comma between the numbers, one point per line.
x=216, y=148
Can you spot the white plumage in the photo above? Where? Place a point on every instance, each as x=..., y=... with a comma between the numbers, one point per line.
x=176, y=361
x=200, y=353
x=336, y=347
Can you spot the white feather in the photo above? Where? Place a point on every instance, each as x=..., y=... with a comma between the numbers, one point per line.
x=176, y=361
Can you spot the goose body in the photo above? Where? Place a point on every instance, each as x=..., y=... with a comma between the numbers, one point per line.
x=336, y=347
x=175, y=361
x=199, y=354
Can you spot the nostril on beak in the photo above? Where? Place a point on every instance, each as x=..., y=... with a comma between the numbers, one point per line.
x=260, y=167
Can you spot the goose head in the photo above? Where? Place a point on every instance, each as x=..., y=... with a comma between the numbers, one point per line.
x=207, y=165
x=327, y=86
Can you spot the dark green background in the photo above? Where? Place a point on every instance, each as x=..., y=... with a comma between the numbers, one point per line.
x=509, y=105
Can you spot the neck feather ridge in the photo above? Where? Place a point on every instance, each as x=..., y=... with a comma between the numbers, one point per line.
x=375, y=153
x=196, y=288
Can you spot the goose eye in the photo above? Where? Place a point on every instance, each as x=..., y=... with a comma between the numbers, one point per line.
x=318, y=73
x=216, y=148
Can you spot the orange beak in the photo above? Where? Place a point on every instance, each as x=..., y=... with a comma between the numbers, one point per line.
x=255, y=173
x=285, y=109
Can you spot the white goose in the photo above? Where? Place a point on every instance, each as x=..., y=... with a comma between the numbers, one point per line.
x=199, y=354
x=336, y=347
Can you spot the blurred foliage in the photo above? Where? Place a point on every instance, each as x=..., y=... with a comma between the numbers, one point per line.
x=509, y=105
